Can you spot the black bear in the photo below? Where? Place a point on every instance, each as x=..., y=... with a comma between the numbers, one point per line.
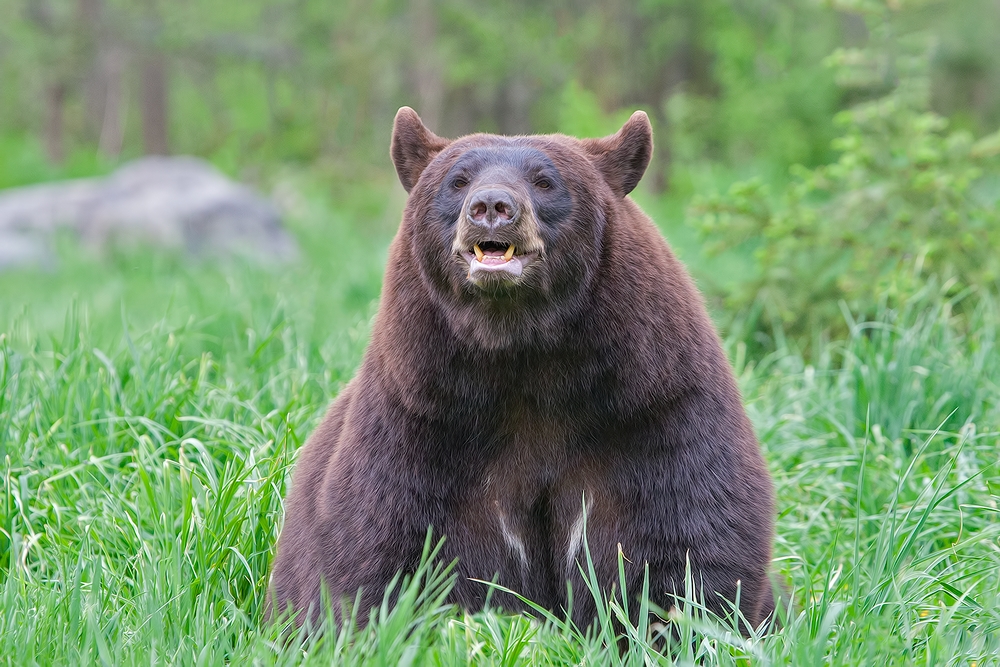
x=539, y=353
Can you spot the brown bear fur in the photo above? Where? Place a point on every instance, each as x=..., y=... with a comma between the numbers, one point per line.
x=493, y=410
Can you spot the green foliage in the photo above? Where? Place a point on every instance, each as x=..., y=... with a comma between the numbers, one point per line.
x=907, y=198
x=309, y=81
x=580, y=114
x=732, y=86
x=769, y=99
x=24, y=163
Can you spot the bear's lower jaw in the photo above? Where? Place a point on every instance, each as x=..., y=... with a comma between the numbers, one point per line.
x=491, y=269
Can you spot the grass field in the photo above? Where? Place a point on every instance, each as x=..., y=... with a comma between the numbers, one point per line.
x=150, y=412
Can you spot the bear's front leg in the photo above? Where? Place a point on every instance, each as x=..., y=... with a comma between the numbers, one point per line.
x=358, y=512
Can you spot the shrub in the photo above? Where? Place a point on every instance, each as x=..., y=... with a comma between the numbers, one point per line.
x=908, y=197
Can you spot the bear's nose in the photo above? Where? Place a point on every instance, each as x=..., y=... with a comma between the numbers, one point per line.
x=492, y=208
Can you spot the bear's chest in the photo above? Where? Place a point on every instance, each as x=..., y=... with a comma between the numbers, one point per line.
x=521, y=512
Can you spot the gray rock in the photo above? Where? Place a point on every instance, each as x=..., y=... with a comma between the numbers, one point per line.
x=19, y=249
x=175, y=203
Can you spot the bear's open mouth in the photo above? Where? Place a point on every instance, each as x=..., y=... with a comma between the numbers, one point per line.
x=493, y=252
x=497, y=259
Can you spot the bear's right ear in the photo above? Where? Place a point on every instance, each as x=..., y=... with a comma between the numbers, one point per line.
x=413, y=146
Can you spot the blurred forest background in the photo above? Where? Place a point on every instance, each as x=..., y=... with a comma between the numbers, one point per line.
x=819, y=148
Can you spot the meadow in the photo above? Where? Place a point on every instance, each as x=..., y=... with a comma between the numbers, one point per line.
x=150, y=411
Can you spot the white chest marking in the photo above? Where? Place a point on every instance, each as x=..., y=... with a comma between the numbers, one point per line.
x=576, y=536
x=513, y=540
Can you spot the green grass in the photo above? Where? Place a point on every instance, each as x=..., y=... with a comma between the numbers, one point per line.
x=150, y=412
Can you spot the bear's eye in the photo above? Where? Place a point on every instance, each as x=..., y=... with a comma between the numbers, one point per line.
x=459, y=183
x=543, y=184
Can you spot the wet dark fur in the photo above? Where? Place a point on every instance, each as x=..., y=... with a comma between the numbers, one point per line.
x=599, y=377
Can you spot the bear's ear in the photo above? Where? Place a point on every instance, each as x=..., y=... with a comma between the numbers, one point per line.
x=413, y=146
x=624, y=156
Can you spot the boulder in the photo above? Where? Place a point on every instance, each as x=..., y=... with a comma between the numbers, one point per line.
x=179, y=204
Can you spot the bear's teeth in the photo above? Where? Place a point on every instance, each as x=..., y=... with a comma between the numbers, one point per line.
x=479, y=253
x=510, y=252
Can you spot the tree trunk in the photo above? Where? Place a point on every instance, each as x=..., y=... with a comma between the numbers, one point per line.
x=513, y=107
x=112, y=71
x=428, y=79
x=55, y=101
x=681, y=69
x=104, y=83
x=155, y=104
x=90, y=11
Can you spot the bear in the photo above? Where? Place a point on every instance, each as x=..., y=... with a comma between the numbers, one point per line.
x=540, y=365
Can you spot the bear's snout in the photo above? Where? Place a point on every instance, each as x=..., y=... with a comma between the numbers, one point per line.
x=492, y=208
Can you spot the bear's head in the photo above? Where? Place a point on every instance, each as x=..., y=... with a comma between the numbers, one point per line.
x=508, y=233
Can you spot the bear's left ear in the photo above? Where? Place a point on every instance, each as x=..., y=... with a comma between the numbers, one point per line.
x=623, y=157
x=413, y=146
